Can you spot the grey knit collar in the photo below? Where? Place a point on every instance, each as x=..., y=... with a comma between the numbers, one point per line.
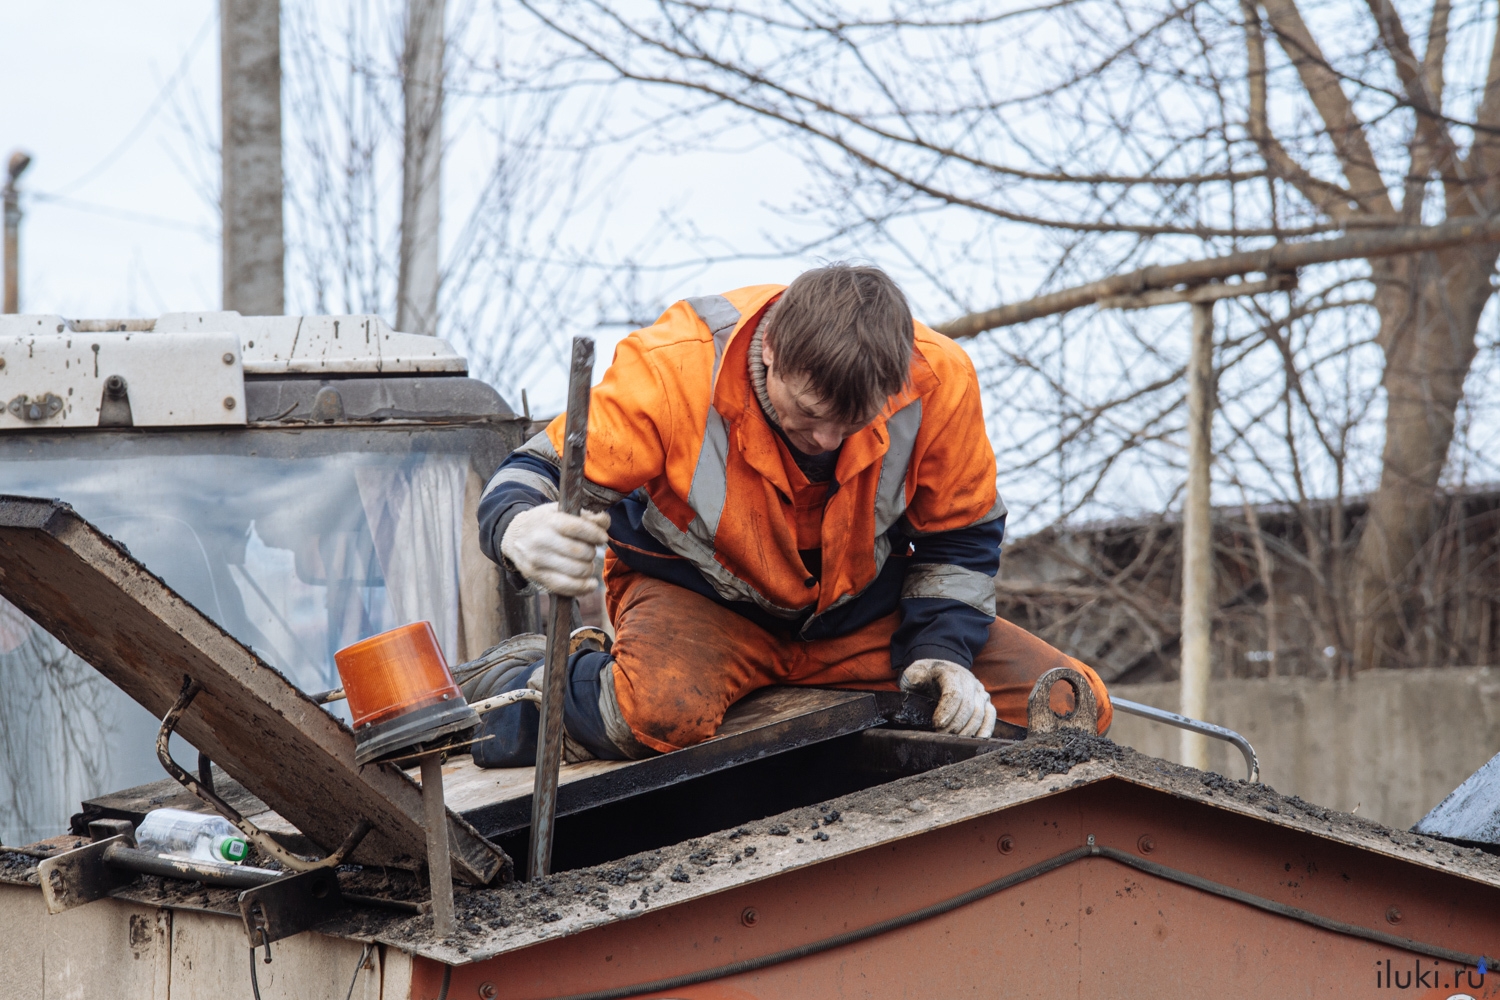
x=758, y=365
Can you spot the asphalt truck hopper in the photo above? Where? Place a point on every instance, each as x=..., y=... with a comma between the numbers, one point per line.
x=288, y=766
x=1063, y=864
x=778, y=749
x=883, y=863
x=86, y=590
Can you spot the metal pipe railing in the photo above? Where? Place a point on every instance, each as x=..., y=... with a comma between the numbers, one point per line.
x=1252, y=763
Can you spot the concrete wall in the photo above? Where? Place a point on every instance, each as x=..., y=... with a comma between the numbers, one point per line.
x=1393, y=743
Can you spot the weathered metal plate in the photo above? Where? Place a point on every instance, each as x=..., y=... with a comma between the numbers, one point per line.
x=86, y=590
x=1471, y=812
x=290, y=905
x=134, y=803
x=81, y=876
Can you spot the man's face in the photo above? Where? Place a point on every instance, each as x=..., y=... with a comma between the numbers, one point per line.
x=804, y=416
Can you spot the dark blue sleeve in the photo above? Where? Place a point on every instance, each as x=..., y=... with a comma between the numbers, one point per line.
x=515, y=486
x=948, y=600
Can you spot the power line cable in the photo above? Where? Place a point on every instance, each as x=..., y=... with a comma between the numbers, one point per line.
x=125, y=215
x=156, y=104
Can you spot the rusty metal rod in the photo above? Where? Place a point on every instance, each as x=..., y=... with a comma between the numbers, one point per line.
x=508, y=698
x=439, y=865
x=253, y=833
x=549, y=741
x=148, y=863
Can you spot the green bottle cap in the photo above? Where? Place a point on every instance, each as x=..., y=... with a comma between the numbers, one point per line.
x=232, y=849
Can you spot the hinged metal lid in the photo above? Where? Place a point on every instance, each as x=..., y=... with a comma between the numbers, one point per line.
x=81, y=586
x=1471, y=812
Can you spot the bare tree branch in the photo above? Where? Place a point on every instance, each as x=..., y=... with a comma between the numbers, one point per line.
x=1344, y=126
x=1281, y=257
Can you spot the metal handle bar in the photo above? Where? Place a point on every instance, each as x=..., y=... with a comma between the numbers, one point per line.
x=1252, y=763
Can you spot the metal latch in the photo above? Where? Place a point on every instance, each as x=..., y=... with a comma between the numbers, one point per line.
x=36, y=410
x=1084, y=716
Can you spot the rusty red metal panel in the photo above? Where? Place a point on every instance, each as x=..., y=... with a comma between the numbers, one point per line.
x=1093, y=925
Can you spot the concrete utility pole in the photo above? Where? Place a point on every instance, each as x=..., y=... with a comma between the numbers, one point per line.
x=19, y=161
x=250, y=74
x=1197, y=508
x=1197, y=536
x=421, y=173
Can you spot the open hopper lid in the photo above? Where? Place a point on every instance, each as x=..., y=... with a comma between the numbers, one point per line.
x=86, y=589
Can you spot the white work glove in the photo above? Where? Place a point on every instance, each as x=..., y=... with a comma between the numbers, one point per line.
x=964, y=707
x=555, y=550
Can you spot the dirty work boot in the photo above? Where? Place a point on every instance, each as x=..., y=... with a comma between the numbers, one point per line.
x=591, y=723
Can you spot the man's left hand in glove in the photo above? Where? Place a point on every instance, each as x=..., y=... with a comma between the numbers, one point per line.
x=964, y=707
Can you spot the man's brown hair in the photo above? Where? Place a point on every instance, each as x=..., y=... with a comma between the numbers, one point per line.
x=848, y=330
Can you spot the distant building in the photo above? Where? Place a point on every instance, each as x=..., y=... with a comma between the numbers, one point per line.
x=1109, y=592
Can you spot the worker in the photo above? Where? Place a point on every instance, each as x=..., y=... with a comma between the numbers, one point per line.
x=793, y=485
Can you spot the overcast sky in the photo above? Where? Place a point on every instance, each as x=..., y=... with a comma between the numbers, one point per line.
x=114, y=225
x=118, y=106
x=119, y=109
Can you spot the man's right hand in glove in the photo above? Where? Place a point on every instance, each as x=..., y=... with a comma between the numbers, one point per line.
x=555, y=550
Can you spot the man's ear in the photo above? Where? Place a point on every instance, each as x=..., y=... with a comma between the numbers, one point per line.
x=767, y=353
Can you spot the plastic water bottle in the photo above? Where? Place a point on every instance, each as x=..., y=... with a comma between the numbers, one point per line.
x=184, y=834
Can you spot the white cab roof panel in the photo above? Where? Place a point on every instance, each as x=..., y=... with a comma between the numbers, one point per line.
x=60, y=380
x=318, y=345
x=186, y=369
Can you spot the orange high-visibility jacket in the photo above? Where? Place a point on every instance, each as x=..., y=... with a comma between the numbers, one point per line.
x=676, y=416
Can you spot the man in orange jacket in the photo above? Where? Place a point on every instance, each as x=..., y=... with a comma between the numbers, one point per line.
x=794, y=486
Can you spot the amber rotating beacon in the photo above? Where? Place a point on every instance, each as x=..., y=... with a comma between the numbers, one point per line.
x=401, y=693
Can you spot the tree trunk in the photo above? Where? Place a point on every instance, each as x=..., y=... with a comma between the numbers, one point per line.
x=1429, y=306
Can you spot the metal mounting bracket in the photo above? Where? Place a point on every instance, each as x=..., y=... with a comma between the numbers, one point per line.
x=82, y=875
x=96, y=870
x=1039, y=715
x=290, y=905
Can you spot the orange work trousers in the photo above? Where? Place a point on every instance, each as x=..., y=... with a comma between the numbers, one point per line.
x=681, y=660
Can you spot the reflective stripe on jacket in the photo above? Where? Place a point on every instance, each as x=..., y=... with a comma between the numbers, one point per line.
x=676, y=417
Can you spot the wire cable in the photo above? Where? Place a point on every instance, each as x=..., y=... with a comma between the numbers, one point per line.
x=364, y=956
x=1014, y=879
x=254, y=979
x=150, y=113
x=123, y=214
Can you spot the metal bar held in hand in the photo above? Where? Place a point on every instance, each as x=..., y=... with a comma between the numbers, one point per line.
x=549, y=742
